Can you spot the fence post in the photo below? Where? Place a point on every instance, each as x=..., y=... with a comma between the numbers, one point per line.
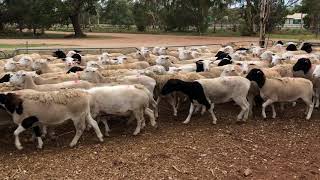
x=27, y=46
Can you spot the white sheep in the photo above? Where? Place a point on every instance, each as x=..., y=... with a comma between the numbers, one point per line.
x=32, y=109
x=123, y=100
x=24, y=80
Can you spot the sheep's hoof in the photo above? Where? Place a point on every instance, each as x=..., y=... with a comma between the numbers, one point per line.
x=155, y=126
x=273, y=117
x=106, y=134
x=101, y=139
x=185, y=122
x=19, y=147
x=72, y=145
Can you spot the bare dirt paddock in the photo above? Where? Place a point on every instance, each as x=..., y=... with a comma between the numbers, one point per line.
x=282, y=148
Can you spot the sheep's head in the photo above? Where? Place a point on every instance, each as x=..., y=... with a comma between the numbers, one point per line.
x=231, y=70
x=10, y=65
x=303, y=64
x=155, y=50
x=89, y=74
x=257, y=76
x=93, y=64
x=173, y=70
x=276, y=60
x=18, y=78
x=203, y=65
x=25, y=61
x=121, y=59
x=59, y=54
x=162, y=60
x=39, y=64
x=162, y=51
x=158, y=69
x=70, y=62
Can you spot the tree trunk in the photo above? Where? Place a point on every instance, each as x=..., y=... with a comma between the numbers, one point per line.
x=76, y=26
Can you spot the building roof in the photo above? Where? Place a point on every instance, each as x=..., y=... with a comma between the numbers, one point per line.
x=296, y=16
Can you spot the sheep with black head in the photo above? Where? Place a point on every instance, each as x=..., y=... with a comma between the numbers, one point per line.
x=282, y=90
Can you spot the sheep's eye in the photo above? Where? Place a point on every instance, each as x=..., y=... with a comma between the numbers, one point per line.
x=232, y=70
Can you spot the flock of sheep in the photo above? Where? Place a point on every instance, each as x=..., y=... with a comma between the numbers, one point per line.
x=40, y=91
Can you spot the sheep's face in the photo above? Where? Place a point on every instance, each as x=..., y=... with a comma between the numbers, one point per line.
x=316, y=72
x=162, y=51
x=18, y=78
x=39, y=64
x=258, y=76
x=70, y=62
x=88, y=73
x=276, y=60
x=139, y=55
x=93, y=64
x=303, y=64
x=104, y=60
x=162, y=60
x=145, y=53
x=203, y=65
x=173, y=70
x=121, y=59
x=59, y=54
x=10, y=65
x=25, y=61
x=230, y=71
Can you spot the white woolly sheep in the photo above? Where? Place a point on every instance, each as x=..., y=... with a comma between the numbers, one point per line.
x=32, y=109
x=123, y=100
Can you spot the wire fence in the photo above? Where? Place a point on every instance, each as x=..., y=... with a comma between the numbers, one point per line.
x=127, y=50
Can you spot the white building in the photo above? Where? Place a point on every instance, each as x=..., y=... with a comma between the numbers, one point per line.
x=294, y=21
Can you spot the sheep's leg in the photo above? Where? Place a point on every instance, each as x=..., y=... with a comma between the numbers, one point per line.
x=95, y=126
x=190, y=114
x=130, y=120
x=243, y=103
x=44, y=130
x=317, y=100
x=274, y=114
x=172, y=102
x=37, y=132
x=80, y=126
x=17, y=142
x=214, y=118
x=150, y=114
x=264, y=105
x=156, y=113
x=281, y=108
x=203, y=109
x=106, y=127
x=251, y=102
x=197, y=108
x=310, y=106
x=137, y=115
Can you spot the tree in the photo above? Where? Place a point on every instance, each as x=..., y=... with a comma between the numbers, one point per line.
x=312, y=20
x=118, y=12
x=72, y=10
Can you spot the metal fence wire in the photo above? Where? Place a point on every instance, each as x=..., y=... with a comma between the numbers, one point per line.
x=127, y=50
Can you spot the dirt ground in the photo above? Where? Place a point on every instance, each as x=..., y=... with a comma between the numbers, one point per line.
x=282, y=148
x=128, y=40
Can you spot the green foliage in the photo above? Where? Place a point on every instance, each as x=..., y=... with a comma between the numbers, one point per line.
x=118, y=12
x=140, y=15
x=312, y=20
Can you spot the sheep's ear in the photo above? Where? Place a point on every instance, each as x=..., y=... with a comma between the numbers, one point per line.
x=167, y=57
x=63, y=59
